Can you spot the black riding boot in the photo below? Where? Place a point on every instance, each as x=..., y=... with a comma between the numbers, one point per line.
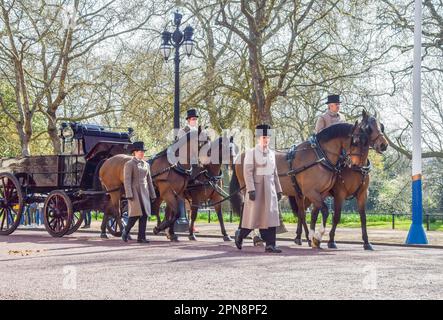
x=270, y=235
x=141, y=238
x=127, y=229
x=240, y=234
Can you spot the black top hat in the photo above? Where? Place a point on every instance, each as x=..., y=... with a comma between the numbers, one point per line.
x=333, y=98
x=191, y=113
x=263, y=130
x=138, y=146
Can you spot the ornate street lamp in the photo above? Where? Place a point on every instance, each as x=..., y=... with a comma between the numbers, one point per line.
x=171, y=41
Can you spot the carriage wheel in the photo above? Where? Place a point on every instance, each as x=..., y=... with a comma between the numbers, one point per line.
x=11, y=203
x=58, y=213
x=115, y=226
x=77, y=220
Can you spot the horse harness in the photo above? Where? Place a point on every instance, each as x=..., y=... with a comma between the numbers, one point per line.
x=322, y=159
x=364, y=171
x=175, y=166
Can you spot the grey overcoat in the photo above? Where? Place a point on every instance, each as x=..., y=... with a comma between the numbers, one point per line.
x=138, y=186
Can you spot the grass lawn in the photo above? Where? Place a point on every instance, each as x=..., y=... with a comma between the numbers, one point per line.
x=347, y=221
x=351, y=220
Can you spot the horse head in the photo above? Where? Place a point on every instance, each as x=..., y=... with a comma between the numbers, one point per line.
x=219, y=151
x=369, y=132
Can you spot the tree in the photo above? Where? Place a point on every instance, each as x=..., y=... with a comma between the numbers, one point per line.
x=43, y=44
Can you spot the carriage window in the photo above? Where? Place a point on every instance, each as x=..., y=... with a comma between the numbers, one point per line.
x=73, y=147
x=67, y=146
x=78, y=147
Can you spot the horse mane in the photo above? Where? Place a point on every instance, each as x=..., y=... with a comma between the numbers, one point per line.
x=338, y=130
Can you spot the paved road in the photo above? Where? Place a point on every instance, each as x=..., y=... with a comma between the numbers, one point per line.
x=36, y=266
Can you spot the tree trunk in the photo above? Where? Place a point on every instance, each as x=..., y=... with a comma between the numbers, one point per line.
x=24, y=140
x=53, y=132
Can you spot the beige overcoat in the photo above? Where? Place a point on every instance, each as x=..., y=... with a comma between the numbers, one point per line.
x=327, y=119
x=138, y=186
x=260, y=173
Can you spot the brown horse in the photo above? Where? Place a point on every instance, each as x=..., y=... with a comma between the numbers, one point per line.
x=308, y=170
x=170, y=179
x=208, y=188
x=206, y=184
x=353, y=181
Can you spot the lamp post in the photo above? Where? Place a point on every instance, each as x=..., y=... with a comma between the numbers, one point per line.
x=171, y=41
x=174, y=40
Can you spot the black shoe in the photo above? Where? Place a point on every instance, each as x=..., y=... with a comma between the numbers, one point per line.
x=125, y=236
x=86, y=226
x=272, y=249
x=142, y=240
x=238, y=240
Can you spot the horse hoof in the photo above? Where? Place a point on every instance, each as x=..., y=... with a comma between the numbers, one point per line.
x=104, y=236
x=315, y=243
x=368, y=246
x=174, y=238
x=155, y=230
x=227, y=238
x=258, y=242
x=310, y=243
x=332, y=245
x=192, y=237
x=298, y=241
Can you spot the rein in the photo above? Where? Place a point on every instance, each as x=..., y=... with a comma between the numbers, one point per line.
x=229, y=196
x=364, y=171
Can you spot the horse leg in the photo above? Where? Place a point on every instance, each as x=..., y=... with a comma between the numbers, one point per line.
x=172, y=203
x=218, y=210
x=103, y=234
x=111, y=208
x=325, y=214
x=296, y=213
x=361, y=202
x=305, y=227
x=155, y=209
x=169, y=230
x=314, y=217
x=317, y=201
x=194, y=211
x=299, y=231
x=335, y=221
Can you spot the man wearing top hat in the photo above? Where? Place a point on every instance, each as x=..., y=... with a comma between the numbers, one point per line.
x=139, y=190
x=192, y=123
x=263, y=191
x=331, y=116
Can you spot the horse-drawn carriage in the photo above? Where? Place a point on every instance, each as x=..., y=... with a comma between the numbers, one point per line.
x=67, y=183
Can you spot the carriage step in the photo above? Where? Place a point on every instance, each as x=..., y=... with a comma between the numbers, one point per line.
x=90, y=192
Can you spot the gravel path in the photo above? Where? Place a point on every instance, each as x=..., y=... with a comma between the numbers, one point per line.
x=37, y=266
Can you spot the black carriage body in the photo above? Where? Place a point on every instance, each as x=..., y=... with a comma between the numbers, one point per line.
x=67, y=183
x=73, y=171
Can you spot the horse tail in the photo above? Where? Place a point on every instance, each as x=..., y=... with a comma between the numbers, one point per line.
x=97, y=181
x=293, y=204
x=236, y=198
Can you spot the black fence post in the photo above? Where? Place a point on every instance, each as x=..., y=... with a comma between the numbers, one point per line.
x=393, y=221
x=209, y=216
x=427, y=222
x=230, y=216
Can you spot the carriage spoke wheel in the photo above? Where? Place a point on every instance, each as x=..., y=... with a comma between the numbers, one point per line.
x=115, y=225
x=77, y=220
x=58, y=213
x=11, y=203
